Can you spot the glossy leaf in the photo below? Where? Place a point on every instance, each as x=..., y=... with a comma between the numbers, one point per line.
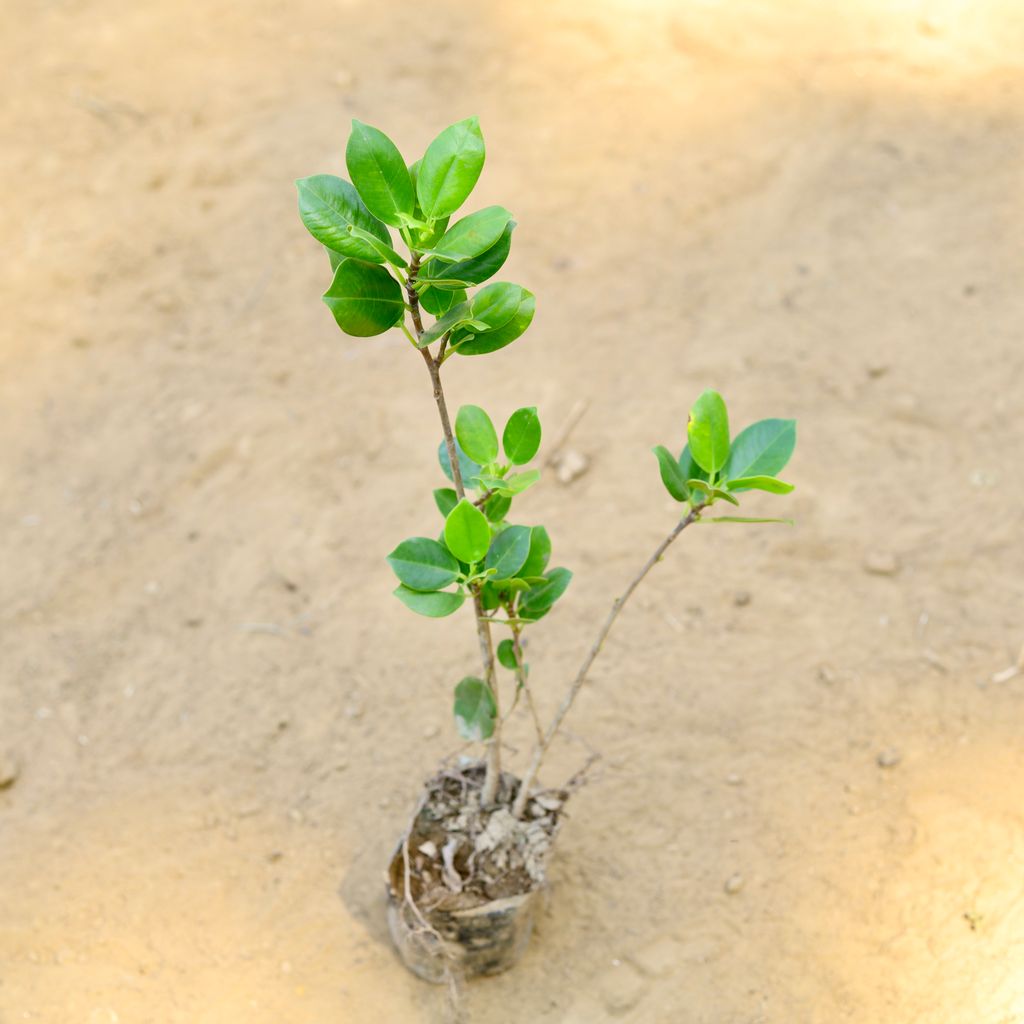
x=336, y=260
x=717, y=492
x=495, y=305
x=365, y=299
x=537, y=601
x=425, y=237
x=445, y=499
x=467, y=533
x=475, y=271
x=329, y=206
x=475, y=710
x=436, y=605
x=511, y=485
x=476, y=434
x=508, y=552
x=521, y=437
x=671, y=475
x=467, y=467
x=540, y=552
x=450, y=168
x=762, y=449
x=708, y=432
x=437, y=302
x=379, y=173
x=507, y=654
x=496, y=507
x=744, y=519
x=422, y=564
x=384, y=251
x=473, y=235
x=468, y=344
x=689, y=468
x=702, y=487
x=455, y=316
x=760, y=483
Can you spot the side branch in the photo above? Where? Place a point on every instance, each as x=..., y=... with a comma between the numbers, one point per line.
x=581, y=676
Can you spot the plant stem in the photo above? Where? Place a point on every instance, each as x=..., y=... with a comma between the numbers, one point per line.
x=492, y=776
x=521, y=680
x=567, y=701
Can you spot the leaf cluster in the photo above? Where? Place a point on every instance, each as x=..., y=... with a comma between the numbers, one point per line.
x=374, y=285
x=713, y=468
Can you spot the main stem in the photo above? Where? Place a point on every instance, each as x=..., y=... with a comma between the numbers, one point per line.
x=492, y=776
x=542, y=747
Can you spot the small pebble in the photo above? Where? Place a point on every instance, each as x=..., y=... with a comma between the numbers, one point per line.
x=826, y=674
x=889, y=758
x=621, y=989
x=881, y=563
x=571, y=466
x=733, y=779
x=733, y=884
x=741, y=598
x=10, y=769
x=430, y=731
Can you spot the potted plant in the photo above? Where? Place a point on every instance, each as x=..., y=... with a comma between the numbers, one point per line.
x=464, y=880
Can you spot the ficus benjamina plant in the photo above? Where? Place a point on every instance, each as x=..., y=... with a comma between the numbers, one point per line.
x=481, y=558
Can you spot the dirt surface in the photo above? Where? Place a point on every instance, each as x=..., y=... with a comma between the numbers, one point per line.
x=214, y=717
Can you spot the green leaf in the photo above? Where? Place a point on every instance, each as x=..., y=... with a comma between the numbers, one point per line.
x=507, y=654
x=422, y=564
x=437, y=302
x=424, y=237
x=521, y=436
x=689, y=468
x=743, y=519
x=455, y=316
x=671, y=475
x=708, y=432
x=336, y=259
x=475, y=710
x=445, y=499
x=383, y=251
x=436, y=605
x=476, y=434
x=450, y=168
x=540, y=552
x=467, y=343
x=717, y=492
x=365, y=300
x=473, y=235
x=495, y=305
x=329, y=206
x=759, y=483
x=537, y=601
x=379, y=173
x=496, y=507
x=762, y=449
x=467, y=533
x=508, y=552
x=490, y=596
x=475, y=271
x=701, y=486
x=514, y=585
x=467, y=467
x=512, y=485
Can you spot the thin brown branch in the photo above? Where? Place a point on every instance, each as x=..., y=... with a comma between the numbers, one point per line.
x=567, y=701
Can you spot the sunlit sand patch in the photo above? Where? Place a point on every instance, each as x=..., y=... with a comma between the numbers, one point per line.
x=929, y=924
x=165, y=910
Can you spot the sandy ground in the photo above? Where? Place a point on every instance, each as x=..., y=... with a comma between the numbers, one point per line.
x=221, y=714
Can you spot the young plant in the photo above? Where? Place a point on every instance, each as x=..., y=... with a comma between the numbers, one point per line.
x=480, y=558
